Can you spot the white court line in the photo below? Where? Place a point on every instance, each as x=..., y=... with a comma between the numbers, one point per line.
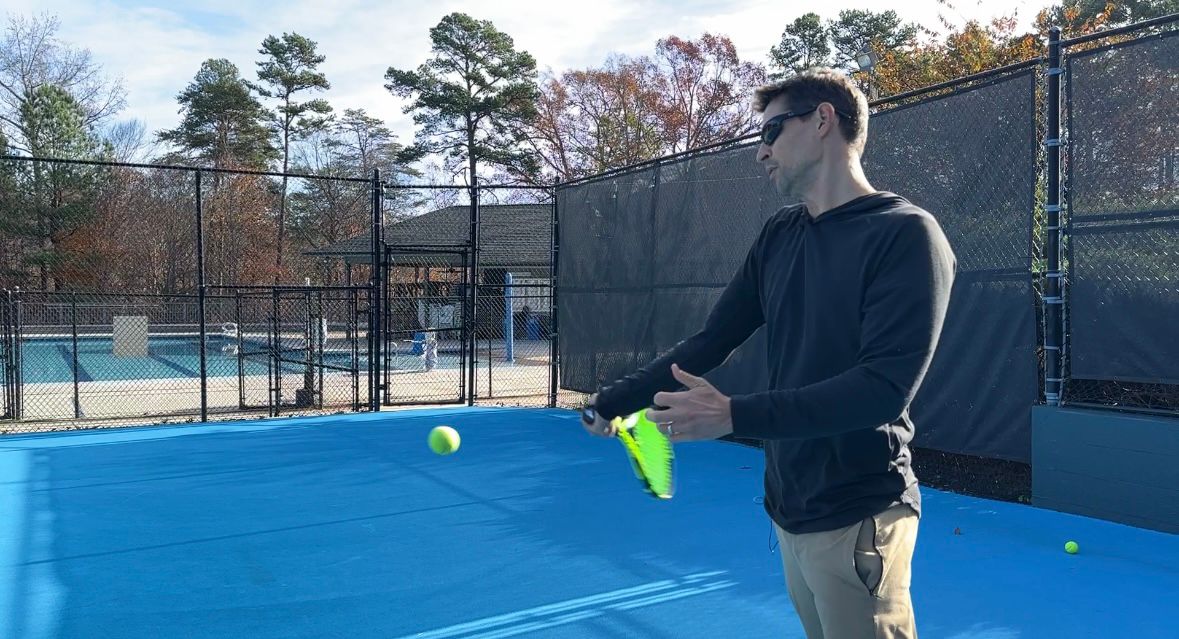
x=656, y=592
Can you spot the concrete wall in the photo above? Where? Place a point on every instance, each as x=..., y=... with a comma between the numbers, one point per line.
x=1107, y=464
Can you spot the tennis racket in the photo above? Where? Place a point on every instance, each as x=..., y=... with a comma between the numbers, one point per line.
x=648, y=449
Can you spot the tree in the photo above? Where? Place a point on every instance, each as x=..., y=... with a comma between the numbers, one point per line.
x=31, y=56
x=365, y=143
x=472, y=99
x=223, y=124
x=129, y=141
x=290, y=68
x=975, y=47
x=972, y=48
x=9, y=245
x=1083, y=16
x=592, y=120
x=705, y=91
x=805, y=43
x=809, y=41
x=855, y=29
x=54, y=199
x=327, y=211
x=690, y=94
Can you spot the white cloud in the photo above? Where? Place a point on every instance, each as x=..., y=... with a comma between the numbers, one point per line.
x=157, y=48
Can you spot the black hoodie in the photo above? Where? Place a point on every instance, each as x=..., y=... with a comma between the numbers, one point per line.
x=853, y=303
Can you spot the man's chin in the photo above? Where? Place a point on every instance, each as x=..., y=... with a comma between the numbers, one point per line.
x=785, y=188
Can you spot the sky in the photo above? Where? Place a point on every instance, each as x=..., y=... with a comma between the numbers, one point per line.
x=155, y=49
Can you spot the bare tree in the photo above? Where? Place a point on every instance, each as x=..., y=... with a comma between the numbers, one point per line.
x=31, y=56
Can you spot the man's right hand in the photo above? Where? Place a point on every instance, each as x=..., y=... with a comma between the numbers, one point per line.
x=598, y=426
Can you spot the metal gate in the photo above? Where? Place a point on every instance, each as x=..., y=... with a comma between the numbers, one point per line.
x=297, y=348
x=425, y=353
x=318, y=348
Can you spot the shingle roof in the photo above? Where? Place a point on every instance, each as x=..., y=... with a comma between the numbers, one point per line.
x=510, y=235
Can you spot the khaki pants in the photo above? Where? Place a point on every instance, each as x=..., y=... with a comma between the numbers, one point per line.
x=853, y=583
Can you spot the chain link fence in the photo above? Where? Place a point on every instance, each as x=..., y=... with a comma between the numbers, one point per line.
x=643, y=256
x=260, y=294
x=158, y=293
x=1122, y=239
x=969, y=156
x=464, y=326
x=646, y=253
x=426, y=346
x=644, y=250
x=169, y=293
x=514, y=322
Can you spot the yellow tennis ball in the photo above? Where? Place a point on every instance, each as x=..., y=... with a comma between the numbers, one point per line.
x=1071, y=547
x=444, y=440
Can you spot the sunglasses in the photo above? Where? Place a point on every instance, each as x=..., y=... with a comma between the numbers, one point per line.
x=772, y=127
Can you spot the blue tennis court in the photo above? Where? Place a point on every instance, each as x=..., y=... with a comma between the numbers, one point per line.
x=348, y=526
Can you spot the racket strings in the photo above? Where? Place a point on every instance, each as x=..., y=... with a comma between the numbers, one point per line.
x=651, y=453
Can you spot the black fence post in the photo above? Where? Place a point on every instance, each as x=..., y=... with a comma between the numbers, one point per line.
x=472, y=332
x=74, y=334
x=322, y=327
x=386, y=339
x=200, y=243
x=241, y=353
x=307, y=393
x=275, y=355
x=6, y=320
x=12, y=347
x=375, y=331
x=354, y=345
x=1053, y=300
x=554, y=334
x=464, y=334
x=18, y=323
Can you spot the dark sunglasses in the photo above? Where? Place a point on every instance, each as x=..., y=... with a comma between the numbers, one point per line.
x=772, y=127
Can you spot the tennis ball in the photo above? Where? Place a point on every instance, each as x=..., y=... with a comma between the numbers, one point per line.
x=1071, y=547
x=444, y=440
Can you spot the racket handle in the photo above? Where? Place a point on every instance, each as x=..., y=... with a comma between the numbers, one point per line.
x=588, y=414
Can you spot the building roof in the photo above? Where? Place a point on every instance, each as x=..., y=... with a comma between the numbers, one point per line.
x=510, y=235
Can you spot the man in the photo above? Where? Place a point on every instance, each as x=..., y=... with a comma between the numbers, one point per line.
x=852, y=287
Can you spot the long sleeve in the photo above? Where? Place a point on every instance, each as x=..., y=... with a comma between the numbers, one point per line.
x=734, y=317
x=903, y=309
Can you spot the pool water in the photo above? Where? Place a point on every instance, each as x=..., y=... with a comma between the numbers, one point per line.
x=51, y=360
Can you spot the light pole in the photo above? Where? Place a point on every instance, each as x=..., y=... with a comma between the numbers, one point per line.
x=866, y=59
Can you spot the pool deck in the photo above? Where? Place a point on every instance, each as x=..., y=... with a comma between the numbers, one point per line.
x=46, y=406
x=53, y=405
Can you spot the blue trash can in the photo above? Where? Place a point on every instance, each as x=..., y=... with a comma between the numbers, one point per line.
x=533, y=328
x=419, y=343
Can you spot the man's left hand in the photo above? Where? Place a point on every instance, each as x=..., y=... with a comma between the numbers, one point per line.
x=700, y=412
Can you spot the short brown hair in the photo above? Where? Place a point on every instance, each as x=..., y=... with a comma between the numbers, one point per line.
x=813, y=86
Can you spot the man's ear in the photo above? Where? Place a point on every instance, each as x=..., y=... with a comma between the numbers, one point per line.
x=827, y=119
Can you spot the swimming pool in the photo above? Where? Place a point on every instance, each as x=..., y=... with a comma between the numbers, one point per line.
x=51, y=360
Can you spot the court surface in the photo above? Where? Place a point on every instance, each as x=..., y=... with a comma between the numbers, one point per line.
x=348, y=526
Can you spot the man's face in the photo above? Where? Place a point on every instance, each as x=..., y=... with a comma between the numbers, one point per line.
x=790, y=146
